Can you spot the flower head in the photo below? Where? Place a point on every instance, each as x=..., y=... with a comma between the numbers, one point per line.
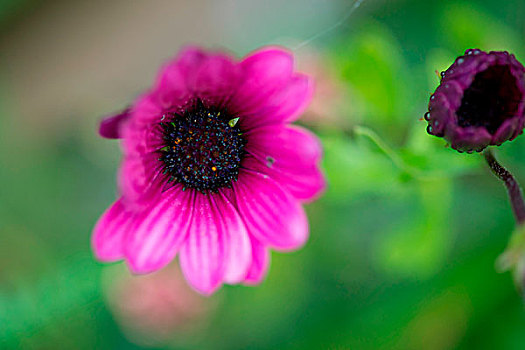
x=480, y=101
x=212, y=170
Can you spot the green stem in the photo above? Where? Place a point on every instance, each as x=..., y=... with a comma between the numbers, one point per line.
x=387, y=150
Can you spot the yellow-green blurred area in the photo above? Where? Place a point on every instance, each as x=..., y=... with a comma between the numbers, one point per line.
x=403, y=244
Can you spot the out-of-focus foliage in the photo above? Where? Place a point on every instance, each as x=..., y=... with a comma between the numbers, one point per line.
x=371, y=61
x=403, y=244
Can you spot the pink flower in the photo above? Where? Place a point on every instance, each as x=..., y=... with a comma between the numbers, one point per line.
x=212, y=170
x=153, y=309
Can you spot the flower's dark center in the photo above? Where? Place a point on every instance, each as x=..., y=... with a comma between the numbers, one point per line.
x=492, y=98
x=203, y=148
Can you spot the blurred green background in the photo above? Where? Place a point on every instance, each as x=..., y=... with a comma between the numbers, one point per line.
x=403, y=243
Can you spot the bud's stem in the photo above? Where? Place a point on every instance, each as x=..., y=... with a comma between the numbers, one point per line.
x=513, y=188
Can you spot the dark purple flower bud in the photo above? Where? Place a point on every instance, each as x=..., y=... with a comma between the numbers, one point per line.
x=479, y=102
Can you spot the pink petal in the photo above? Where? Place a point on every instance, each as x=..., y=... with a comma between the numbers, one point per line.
x=216, y=80
x=283, y=105
x=270, y=213
x=235, y=238
x=159, y=232
x=171, y=86
x=264, y=72
x=270, y=91
x=137, y=139
x=109, y=232
x=110, y=127
x=140, y=179
x=202, y=254
x=194, y=73
x=146, y=110
x=267, y=69
x=293, y=100
x=190, y=58
x=289, y=154
x=260, y=263
x=217, y=248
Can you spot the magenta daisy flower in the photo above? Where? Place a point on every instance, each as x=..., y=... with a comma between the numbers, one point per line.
x=212, y=171
x=480, y=101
